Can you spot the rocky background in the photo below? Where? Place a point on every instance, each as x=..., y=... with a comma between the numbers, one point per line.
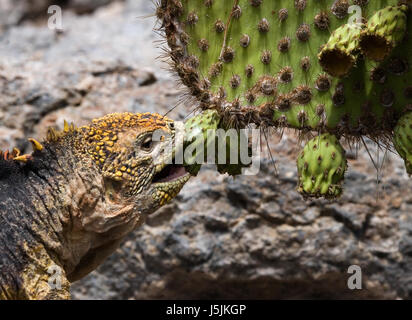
x=250, y=237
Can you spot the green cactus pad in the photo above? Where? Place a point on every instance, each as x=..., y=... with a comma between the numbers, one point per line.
x=257, y=62
x=384, y=31
x=321, y=167
x=402, y=140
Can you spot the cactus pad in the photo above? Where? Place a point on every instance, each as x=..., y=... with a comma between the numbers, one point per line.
x=321, y=167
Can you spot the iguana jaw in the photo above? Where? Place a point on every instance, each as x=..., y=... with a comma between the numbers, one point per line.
x=170, y=173
x=170, y=181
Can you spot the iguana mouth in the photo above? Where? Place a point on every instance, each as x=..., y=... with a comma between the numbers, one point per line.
x=170, y=173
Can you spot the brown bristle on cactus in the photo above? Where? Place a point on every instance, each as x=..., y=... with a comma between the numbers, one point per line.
x=244, y=41
x=300, y=5
x=340, y=8
x=322, y=21
x=323, y=82
x=255, y=3
x=284, y=44
x=283, y=14
x=286, y=74
x=397, y=66
x=249, y=70
x=305, y=64
x=303, y=32
x=284, y=102
x=360, y=3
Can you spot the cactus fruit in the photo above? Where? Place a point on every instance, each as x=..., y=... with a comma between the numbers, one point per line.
x=402, y=140
x=296, y=64
x=384, y=31
x=200, y=134
x=321, y=167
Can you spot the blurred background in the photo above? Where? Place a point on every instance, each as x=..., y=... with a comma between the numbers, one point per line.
x=251, y=237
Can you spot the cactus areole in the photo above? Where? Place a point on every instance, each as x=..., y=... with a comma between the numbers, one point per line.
x=341, y=67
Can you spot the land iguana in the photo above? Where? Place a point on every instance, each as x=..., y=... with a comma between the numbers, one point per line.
x=68, y=205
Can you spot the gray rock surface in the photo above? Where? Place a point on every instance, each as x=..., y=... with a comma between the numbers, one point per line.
x=248, y=237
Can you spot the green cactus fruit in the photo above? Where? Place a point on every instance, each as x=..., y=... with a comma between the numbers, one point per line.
x=384, y=31
x=203, y=133
x=340, y=53
x=321, y=167
x=402, y=140
x=200, y=134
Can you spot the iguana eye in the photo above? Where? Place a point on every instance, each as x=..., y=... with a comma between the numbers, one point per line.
x=147, y=143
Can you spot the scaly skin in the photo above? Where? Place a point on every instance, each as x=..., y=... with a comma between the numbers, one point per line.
x=71, y=202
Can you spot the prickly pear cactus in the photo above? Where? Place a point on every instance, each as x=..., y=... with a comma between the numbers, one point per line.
x=321, y=167
x=308, y=65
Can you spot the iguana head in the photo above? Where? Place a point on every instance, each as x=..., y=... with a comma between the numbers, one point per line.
x=135, y=153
